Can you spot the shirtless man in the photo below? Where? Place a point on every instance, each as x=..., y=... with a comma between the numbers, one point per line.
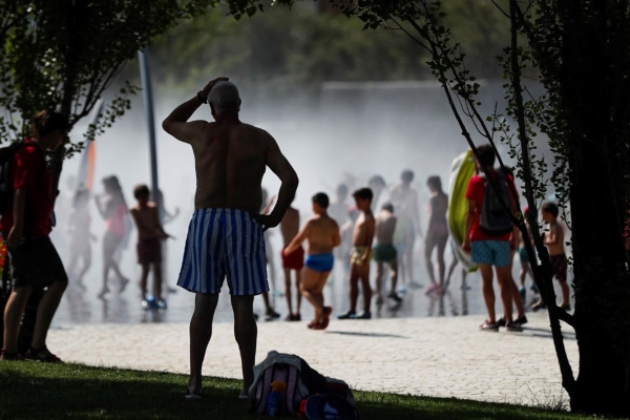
x=554, y=241
x=322, y=234
x=362, y=239
x=230, y=160
x=405, y=200
x=385, y=251
x=289, y=227
x=150, y=236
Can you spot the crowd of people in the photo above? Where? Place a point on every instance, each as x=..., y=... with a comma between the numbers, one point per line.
x=228, y=235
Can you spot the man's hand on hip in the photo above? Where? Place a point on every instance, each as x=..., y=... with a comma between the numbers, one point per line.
x=267, y=221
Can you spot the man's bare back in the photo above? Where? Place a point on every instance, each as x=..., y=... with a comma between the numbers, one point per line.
x=290, y=225
x=230, y=157
x=385, y=227
x=364, y=230
x=230, y=161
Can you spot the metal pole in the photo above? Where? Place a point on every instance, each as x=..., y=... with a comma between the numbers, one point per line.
x=147, y=94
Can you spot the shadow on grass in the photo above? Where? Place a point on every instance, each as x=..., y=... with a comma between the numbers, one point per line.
x=30, y=390
x=79, y=392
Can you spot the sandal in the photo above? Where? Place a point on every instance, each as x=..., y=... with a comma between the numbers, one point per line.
x=46, y=357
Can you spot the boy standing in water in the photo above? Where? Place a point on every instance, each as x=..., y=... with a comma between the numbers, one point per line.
x=322, y=234
x=362, y=239
x=385, y=251
x=150, y=236
x=554, y=240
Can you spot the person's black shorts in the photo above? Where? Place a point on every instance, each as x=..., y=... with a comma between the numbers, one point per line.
x=36, y=263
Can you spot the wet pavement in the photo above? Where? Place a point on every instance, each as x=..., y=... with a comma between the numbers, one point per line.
x=82, y=306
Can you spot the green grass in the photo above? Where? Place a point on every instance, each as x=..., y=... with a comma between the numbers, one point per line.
x=30, y=390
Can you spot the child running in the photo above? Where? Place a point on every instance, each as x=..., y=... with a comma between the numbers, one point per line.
x=322, y=234
x=385, y=252
x=554, y=240
x=362, y=239
x=150, y=236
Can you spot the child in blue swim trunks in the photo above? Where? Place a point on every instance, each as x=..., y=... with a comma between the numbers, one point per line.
x=322, y=234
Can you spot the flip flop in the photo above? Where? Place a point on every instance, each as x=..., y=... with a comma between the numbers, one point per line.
x=243, y=397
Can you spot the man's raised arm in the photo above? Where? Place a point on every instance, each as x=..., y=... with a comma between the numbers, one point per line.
x=280, y=166
x=177, y=125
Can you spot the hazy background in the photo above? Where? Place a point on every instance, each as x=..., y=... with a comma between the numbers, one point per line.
x=343, y=104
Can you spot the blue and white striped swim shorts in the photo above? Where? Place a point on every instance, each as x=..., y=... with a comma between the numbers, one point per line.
x=224, y=243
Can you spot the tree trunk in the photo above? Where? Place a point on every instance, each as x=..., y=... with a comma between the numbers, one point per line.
x=602, y=293
x=598, y=200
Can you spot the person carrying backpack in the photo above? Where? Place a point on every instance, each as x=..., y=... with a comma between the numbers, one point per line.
x=490, y=234
x=25, y=225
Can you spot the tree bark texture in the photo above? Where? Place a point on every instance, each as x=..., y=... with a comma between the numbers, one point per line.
x=598, y=164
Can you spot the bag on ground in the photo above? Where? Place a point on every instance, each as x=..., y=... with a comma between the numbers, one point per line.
x=283, y=382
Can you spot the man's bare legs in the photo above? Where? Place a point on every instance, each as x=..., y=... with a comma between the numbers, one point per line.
x=488, y=291
x=516, y=296
x=245, y=332
x=200, y=334
x=46, y=311
x=12, y=316
x=505, y=279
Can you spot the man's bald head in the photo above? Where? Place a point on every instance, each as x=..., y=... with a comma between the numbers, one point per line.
x=224, y=98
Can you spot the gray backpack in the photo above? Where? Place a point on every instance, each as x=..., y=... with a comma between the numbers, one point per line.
x=494, y=220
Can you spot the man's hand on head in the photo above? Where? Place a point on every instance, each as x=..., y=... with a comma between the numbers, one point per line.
x=206, y=90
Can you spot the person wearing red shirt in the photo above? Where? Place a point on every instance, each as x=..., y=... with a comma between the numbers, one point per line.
x=489, y=251
x=33, y=259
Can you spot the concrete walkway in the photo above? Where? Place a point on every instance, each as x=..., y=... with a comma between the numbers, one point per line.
x=441, y=357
